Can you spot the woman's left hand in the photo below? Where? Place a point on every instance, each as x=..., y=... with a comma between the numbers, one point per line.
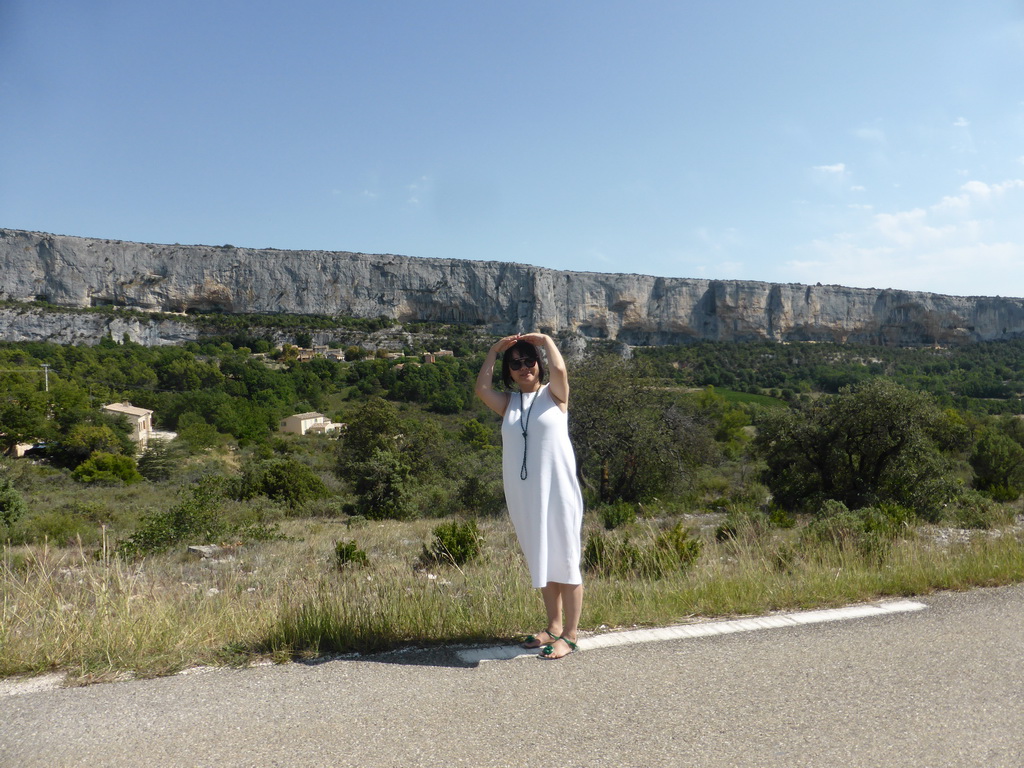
x=537, y=339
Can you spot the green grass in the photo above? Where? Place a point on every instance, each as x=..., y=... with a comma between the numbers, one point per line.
x=98, y=618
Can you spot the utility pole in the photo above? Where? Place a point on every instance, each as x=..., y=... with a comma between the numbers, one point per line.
x=46, y=374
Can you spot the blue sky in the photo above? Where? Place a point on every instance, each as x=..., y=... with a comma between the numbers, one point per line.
x=877, y=143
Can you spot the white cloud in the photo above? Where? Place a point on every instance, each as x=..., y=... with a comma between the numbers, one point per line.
x=874, y=135
x=417, y=189
x=977, y=189
x=961, y=122
x=839, y=168
x=719, y=240
x=969, y=243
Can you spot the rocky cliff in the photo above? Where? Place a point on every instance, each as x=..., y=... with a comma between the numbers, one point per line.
x=634, y=309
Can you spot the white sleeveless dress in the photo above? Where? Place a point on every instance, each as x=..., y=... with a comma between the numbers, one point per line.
x=547, y=507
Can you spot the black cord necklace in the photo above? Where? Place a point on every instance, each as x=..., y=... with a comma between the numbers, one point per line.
x=524, y=424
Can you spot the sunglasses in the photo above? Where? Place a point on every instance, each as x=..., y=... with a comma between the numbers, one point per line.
x=516, y=363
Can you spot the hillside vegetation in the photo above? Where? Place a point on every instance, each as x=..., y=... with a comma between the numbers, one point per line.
x=719, y=478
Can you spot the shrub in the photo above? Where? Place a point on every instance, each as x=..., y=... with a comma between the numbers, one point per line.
x=286, y=480
x=196, y=519
x=678, y=550
x=454, y=543
x=869, y=531
x=617, y=515
x=12, y=505
x=611, y=556
x=742, y=523
x=831, y=508
x=671, y=551
x=480, y=496
x=973, y=510
x=998, y=464
x=475, y=435
x=874, y=443
x=102, y=467
x=60, y=527
x=348, y=553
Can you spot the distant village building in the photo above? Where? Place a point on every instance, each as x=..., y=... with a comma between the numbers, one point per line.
x=303, y=423
x=140, y=419
x=430, y=357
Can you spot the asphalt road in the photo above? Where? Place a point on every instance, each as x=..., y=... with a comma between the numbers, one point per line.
x=943, y=686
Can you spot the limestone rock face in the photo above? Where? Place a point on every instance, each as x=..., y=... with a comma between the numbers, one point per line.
x=634, y=309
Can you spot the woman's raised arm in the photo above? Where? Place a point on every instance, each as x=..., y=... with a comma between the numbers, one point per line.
x=558, y=376
x=496, y=401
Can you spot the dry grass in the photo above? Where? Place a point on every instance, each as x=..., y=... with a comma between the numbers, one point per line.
x=98, y=617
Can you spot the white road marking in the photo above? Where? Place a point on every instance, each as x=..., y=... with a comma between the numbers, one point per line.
x=704, y=629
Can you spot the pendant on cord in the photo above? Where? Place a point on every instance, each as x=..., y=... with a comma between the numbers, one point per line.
x=524, y=424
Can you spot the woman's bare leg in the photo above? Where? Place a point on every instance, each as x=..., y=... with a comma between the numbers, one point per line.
x=553, y=607
x=567, y=598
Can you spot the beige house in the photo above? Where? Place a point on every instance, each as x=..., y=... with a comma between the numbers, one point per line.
x=141, y=420
x=303, y=423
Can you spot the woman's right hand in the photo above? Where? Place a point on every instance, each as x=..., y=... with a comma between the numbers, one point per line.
x=502, y=344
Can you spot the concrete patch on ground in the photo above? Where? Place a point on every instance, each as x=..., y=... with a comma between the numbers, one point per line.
x=16, y=686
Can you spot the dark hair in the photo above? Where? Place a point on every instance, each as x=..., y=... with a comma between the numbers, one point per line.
x=526, y=349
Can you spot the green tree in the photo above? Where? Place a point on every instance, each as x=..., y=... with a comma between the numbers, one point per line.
x=197, y=433
x=22, y=415
x=382, y=487
x=875, y=443
x=625, y=436
x=157, y=461
x=83, y=440
x=998, y=463
x=475, y=435
x=375, y=427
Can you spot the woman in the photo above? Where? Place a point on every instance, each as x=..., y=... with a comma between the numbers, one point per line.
x=539, y=471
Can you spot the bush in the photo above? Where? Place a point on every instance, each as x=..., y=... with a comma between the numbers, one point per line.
x=671, y=551
x=454, y=543
x=998, y=464
x=878, y=442
x=348, y=553
x=974, y=510
x=285, y=480
x=59, y=527
x=742, y=523
x=12, y=505
x=103, y=467
x=196, y=519
x=611, y=556
x=481, y=497
x=869, y=531
x=678, y=550
x=617, y=515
